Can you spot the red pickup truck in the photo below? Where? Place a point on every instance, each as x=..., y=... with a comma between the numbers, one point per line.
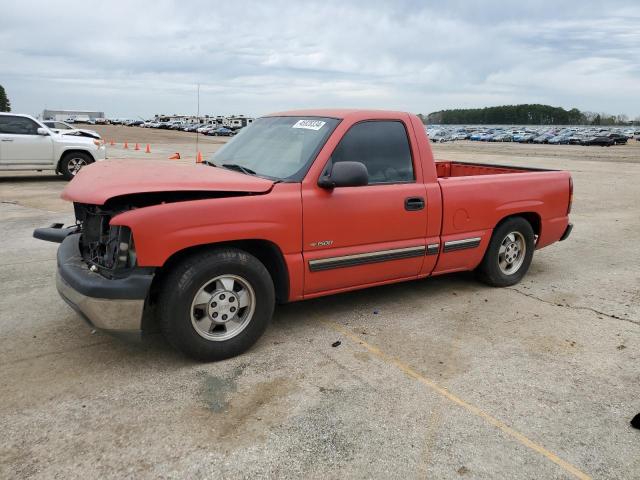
x=299, y=205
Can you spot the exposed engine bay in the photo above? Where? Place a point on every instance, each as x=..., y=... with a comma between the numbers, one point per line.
x=110, y=249
x=107, y=248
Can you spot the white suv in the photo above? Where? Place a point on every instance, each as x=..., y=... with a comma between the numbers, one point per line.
x=26, y=144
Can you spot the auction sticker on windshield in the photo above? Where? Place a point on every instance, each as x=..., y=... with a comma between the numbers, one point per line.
x=309, y=124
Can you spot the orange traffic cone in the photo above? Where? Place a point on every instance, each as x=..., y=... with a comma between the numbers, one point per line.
x=148, y=149
x=175, y=156
x=137, y=147
x=199, y=157
x=112, y=143
x=126, y=145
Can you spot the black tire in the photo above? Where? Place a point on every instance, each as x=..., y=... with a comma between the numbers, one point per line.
x=72, y=162
x=185, y=280
x=490, y=271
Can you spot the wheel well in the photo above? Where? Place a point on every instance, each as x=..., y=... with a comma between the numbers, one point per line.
x=69, y=152
x=267, y=252
x=532, y=217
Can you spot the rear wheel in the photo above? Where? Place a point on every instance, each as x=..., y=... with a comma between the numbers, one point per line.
x=216, y=304
x=509, y=253
x=73, y=162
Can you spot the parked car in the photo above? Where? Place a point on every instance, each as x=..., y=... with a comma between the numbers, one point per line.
x=220, y=132
x=501, y=137
x=526, y=138
x=618, y=138
x=544, y=138
x=601, y=141
x=206, y=128
x=63, y=127
x=192, y=128
x=27, y=144
x=559, y=140
x=289, y=210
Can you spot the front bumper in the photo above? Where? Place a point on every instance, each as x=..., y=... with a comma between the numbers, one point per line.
x=100, y=153
x=113, y=305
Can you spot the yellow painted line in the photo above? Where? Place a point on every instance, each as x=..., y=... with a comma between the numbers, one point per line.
x=517, y=436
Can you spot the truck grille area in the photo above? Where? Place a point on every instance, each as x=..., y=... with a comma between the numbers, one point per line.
x=107, y=247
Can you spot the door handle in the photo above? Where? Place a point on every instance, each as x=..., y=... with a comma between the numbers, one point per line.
x=7, y=139
x=413, y=203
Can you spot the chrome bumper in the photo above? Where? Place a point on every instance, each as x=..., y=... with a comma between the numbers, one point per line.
x=115, y=315
x=113, y=305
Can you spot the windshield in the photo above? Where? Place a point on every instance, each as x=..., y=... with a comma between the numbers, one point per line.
x=277, y=147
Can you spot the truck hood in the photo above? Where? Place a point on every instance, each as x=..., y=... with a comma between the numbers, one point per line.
x=101, y=181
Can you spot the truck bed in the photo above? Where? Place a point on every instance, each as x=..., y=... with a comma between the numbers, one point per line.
x=476, y=196
x=447, y=169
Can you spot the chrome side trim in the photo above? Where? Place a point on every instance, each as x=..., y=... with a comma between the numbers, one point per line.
x=465, y=243
x=364, y=258
x=433, y=248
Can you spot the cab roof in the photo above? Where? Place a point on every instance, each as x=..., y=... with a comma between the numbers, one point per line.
x=340, y=113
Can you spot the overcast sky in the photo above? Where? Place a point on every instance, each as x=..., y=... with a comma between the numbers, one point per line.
x=139, y=58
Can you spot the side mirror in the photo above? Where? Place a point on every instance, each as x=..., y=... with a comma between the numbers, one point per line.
x=345, y=174
x=43, y=131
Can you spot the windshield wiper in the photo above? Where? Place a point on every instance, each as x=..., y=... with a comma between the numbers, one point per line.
x=239, y=168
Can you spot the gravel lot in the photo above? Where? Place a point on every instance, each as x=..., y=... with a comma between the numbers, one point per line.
x=441, y=378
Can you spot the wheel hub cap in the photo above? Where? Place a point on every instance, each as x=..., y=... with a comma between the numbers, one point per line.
x=223, y=307
x=511, y=253
x=75, y=164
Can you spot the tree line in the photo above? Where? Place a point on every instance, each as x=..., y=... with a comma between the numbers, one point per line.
x=525, y=114
x=5, y=104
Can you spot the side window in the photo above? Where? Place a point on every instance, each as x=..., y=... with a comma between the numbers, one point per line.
x=17, y=125
x=382, y=146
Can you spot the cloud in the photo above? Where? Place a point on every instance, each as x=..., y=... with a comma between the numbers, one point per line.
x=139, y=58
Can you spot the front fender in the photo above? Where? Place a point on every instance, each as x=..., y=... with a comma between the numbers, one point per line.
x=160, y=231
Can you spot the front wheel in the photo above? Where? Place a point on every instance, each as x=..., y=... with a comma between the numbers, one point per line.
x=509, y=253
x=72, y=162
x=216, y=304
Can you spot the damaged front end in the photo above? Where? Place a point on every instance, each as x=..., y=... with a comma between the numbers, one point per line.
x=108, y=249
x=97, y=271
x=105, y=248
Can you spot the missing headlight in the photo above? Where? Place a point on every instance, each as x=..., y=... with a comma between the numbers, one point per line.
x=117, y=249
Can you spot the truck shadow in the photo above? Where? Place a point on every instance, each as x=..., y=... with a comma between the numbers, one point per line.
x=306, y=314
x=32, y=178
x=375, y=299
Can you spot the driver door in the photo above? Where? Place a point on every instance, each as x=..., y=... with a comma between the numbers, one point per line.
x=21, y=144
x=357, y=236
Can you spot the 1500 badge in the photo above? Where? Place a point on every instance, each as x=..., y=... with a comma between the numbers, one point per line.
x=322, y=243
